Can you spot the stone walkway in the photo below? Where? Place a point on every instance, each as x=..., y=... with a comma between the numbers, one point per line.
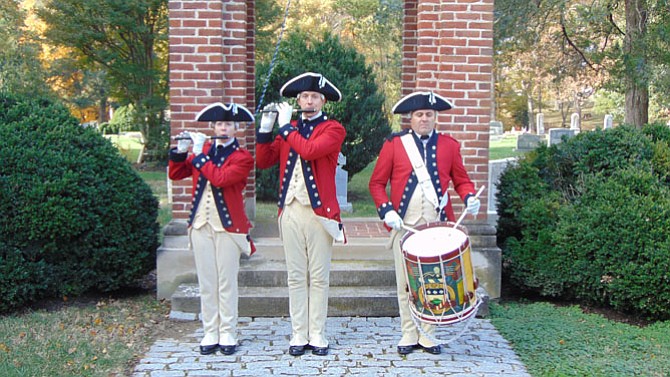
x=358, y=347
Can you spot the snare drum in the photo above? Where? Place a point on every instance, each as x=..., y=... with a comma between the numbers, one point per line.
x=439, y=273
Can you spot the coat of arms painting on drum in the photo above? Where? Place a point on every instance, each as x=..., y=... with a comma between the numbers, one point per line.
x=439, y=273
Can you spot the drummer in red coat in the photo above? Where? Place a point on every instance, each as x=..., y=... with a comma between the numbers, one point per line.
x=418, y=163
x=309, y=214
x=218, y=224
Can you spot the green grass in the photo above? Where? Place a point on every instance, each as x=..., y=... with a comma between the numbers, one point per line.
x=100, y=338
x=564, y=341
x=503, y=148
x=129, y=147
x=157, y=180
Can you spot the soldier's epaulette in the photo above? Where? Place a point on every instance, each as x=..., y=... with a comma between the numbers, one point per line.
x=397, y=134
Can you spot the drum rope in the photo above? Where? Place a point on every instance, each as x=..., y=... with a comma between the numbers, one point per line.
x=468, y=321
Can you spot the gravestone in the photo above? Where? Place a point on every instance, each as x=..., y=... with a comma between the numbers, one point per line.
x=540, y=123
x=556, y=135
x=575, y=122
x=607, y=123
x=341, y=181
x=495, y=130
x=496, y=168
x=527, y=142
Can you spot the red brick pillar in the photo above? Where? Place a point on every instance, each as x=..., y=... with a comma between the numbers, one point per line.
x=211, y=60
x=448, y=48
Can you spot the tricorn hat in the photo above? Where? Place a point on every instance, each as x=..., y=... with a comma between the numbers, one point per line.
x=311, y=82
x=218, y=112
x=421, y=101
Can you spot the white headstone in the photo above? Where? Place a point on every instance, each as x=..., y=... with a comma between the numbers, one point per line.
x=495, y=128
x=607, y=123
x=540, y=123
x=574, y=121
x=341, y=181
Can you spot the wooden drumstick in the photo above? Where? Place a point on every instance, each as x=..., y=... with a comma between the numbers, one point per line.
x=466, y=212
x=410, y=228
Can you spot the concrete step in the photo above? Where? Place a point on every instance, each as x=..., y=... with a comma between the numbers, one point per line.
x=273, y=301
x=263, y=272
x=175, y=263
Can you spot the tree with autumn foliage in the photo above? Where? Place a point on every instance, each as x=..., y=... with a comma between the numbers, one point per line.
x=128, y=41
x=623, y=44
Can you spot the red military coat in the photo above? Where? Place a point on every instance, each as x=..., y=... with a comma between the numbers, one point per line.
x=318, y=142
x=227, y=173
x=444, y=164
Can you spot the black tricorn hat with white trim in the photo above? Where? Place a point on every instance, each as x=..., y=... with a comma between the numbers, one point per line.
x=218, y=112
x=421, y=101
x=311, y=82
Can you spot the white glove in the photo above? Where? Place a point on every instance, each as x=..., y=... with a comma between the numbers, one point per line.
x=198, y=141
x=472, y=205
x=285, y=113
x=393, y=220
x=182, y=145
x=268, y=119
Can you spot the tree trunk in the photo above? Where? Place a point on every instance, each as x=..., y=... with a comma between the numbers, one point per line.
x=637, y=86
x=103, y=115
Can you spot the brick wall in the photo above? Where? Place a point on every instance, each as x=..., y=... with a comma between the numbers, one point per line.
x=448, y=48
x=211, y=60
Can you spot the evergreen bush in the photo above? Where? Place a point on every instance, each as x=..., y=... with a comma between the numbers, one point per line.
x=588, y=219
x=71, y=205
x=617, y=239
x=361, y=110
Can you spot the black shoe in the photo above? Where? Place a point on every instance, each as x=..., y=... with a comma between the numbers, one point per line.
x=208, y=350
x=435, y=350
x=227, y=350
x=319, y=351
x=296, y=350
x=406, y=350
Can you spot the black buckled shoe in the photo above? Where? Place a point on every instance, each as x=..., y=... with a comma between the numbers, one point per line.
x=296, y=350
x=406, y=350
x=227, y=350
x=320, y=351
x=435, y=350
x=208, y=350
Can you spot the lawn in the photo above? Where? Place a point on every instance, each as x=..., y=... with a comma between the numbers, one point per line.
x=503, y=148
x=564, y=341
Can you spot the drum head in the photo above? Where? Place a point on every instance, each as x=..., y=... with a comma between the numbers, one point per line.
x=434, y=241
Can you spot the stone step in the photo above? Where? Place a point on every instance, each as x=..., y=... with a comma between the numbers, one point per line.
x=175, y=263
x=263, y=272
x=375, y=301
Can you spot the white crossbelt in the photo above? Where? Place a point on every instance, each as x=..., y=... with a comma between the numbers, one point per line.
x=420, y=169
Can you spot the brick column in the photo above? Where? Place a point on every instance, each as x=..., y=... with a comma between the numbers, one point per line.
x=211, y=60
x=448, y=48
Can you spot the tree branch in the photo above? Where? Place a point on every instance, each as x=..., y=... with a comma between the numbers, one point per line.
x=564, y=31
x=611, y=20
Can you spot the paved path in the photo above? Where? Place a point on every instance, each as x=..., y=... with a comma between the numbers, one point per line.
x=358, y=347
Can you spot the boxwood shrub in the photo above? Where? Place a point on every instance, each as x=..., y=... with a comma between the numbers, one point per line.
x=588, y=220
x=74, y=212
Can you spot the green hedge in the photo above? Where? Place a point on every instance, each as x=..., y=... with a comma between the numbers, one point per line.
x=589, y=220
x=74, y=212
